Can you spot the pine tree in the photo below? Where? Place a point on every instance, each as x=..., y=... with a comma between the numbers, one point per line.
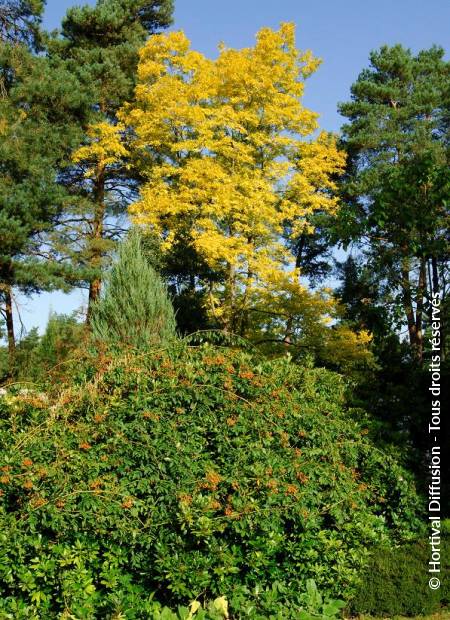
x=100, y=47
x=134, y=309
x=20, y=21
x=398, y=180
x=38, y=101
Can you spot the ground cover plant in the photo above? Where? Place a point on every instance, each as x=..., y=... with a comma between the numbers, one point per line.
x=168, y=477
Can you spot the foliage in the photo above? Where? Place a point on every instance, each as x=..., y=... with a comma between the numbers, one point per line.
x=99, y=45
x=135, y=309
x=312, y=325
x=38, y=103
x=397, y=182
x=20, y=21
x=62, y=337
x=317, y=607
x=228, y=171
x=396, y=388
x=43, y=359
x=396, y=581
x=196, y=474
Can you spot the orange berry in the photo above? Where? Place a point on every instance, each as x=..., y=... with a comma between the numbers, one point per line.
x=247, y=375
x=185, y=499
x=303, y=478
x=37, y=502
x=212, y=480
x=291, y=489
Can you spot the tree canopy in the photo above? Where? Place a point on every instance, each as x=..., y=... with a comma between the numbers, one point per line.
x=99, y=45
x=228, y=168
x=398, y=180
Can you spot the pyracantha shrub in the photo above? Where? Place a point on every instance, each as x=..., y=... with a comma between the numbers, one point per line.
x=199, y=473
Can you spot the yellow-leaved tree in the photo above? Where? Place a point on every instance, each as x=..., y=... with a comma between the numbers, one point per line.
x=232, y=160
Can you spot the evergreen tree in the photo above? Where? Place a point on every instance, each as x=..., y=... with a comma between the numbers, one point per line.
x=135, y=309
x=398, y=179
x=20, y=21
x=39, y=100
x=100, y=47
x=362, y=298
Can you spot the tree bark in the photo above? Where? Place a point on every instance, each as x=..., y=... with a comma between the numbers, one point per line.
x=421, y=289
x=96, y=236
x=435, y=274
x=287, y=341
x=299, y=251
x=10, y=326
x=230, y=318
x=414, y=337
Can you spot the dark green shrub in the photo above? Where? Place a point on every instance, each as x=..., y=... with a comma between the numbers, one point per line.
x=201, y=474
x=396, y=581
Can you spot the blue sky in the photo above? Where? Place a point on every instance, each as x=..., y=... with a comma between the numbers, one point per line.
x=341, y=33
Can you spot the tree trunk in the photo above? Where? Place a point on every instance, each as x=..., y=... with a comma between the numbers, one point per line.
x=96, y=236
x=435, y=274
x=287, y=341
x=230, y=318
x=421, y=289
x=415, y=339
x=299, y=251
x=10, y=327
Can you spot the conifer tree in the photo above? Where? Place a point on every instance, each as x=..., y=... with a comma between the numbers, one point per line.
x=20, y=21
x=134, y=309
x=38, y=101
x=100, y=47
x=397, y=183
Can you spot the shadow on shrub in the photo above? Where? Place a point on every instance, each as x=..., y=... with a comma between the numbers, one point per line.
x=396, y=580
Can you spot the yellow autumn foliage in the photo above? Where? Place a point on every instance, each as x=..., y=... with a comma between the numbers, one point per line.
x=233, y=165
x=105, y=147
x=233, y=159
